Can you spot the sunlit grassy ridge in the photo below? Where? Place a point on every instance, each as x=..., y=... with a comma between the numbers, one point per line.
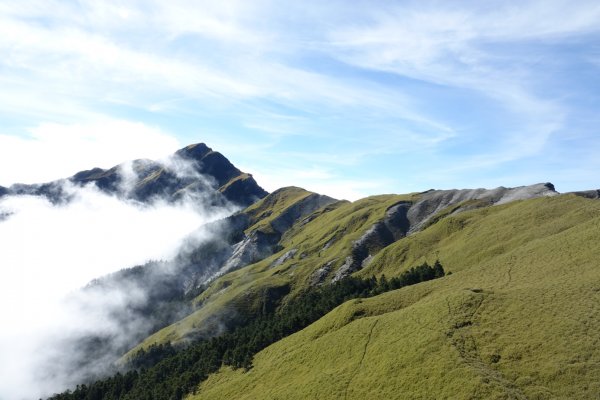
x=263, y=212
x=326, y=236
x=518, y=318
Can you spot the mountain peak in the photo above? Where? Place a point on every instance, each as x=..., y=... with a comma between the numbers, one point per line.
x=156, y=179
x=195, y=151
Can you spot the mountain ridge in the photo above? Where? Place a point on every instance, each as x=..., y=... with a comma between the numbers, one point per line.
x=466, y=335
x=491, y=329
x=372, y=223
x=194, y=170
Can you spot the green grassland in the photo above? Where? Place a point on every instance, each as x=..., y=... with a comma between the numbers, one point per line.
x=321, y=238
x=263, y=212
x=519, y=317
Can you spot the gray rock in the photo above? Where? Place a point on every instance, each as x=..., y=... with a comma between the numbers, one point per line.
x=318, y=277
x=346, y=269
x=588, y=194
x=255, y=247
x=434, y=201
x=391, y=228
x=405, y=218
x=288, y=255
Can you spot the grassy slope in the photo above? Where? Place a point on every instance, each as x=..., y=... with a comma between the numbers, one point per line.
x=339, y=224
x=266, y=210
x=518, y=318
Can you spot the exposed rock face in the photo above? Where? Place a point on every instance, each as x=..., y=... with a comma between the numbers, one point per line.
x=434, y=201
x=406, y=218
x=288, y=255
x=589, y=194
x=257, y=245
x=237, y=248
x=3, y=191
x=254, y=247
x=195, y=170
x=318, y=277
x=393, y=226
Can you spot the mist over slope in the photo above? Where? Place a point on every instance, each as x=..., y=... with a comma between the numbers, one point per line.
x=58, y=236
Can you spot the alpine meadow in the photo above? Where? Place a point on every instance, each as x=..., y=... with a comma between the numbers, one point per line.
x=260, y=200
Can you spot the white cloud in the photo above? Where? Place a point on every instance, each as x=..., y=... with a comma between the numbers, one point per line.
x=461, y=47
x=53, y=151
x=144, y=55
x=320, y=180
x=84, y=60
x=231, y=58
x=49, y=251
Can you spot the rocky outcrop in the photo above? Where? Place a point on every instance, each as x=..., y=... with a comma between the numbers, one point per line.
x=288, y=255
x=432, y=202
x=259, y=244
x=406, y=218
x=393, y=226
x=318, y=277
x=238, y=242
x=588, y=194
x=254, y=247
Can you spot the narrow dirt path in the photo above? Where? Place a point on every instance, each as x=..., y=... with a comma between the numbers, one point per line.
x=362, y=359
x=462, y=318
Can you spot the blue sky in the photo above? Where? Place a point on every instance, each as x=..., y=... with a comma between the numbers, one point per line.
x=376, y=97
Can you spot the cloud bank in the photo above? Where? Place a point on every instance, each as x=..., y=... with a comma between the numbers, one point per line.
x=50, y=251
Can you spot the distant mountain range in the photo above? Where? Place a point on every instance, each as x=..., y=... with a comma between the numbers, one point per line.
x=299, y=295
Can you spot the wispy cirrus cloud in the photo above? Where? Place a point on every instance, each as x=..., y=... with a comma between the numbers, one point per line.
x=469, y=84
x=473, y=48
x=202, y=51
